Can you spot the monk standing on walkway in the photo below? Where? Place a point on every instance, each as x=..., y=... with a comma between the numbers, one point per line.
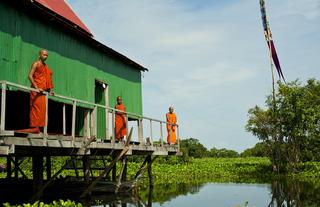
x=120, y=120
x=40, y=77
x=171, y=126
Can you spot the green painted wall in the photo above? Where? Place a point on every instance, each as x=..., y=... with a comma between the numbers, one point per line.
x=75, y=64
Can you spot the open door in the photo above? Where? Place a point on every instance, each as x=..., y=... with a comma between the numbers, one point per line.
x=102, y=98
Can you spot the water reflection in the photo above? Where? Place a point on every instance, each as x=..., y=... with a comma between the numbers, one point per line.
x=278, y=193
x=166, y=192
x=292, y=193
x=120, y=200
x=219, y=194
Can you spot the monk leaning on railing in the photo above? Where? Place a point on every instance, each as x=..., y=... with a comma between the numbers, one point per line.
x=120, y=120
x=171, y=126
x=40, y=77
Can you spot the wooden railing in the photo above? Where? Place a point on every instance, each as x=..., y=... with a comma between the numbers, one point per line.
x=90, y=119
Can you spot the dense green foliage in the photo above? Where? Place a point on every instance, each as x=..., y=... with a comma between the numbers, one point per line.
x=59, y=203
x=259, y=150
x=308, y=170
x=171, y=169
x=214, y=152
x=213, y=170
x=290, y=125
x=193, y=148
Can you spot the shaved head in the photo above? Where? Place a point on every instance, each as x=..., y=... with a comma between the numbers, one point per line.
x=42, y=50
x=43, y=55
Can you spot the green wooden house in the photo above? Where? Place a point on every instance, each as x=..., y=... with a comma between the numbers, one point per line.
x=84, y=69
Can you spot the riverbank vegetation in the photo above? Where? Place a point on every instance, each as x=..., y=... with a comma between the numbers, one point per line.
x=59, y=203
x=289, y=125
x=188, y=169
x=238, y=170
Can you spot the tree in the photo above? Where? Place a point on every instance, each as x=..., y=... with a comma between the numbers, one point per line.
x=291, y=127
x=261, y=149
x=214, y=152
x=193, y=148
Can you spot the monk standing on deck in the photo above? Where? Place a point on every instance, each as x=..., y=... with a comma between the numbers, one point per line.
x=40, y=77
x=171, y=127
x=120, y=122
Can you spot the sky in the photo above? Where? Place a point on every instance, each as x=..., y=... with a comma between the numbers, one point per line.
x=208, y=58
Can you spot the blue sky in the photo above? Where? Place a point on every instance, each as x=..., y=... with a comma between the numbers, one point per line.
x=207, y=58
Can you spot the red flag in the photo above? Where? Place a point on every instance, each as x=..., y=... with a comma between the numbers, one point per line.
x=275, y=59
x=268, y=36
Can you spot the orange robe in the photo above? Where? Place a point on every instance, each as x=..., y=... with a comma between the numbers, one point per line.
x=42, y=77
x=120, y=122
x=171, y=118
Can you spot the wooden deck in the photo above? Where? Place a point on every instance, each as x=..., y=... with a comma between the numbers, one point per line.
x=57, y=145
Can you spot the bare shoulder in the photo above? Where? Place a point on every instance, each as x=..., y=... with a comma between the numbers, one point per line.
x=36, y=63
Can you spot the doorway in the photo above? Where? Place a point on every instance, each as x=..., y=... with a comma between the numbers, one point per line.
x=102, y=115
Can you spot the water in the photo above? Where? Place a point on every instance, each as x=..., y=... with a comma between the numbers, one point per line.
x=216, y=194
x=278, y=193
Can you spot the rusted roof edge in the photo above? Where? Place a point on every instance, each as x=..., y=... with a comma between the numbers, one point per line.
x=83, y=34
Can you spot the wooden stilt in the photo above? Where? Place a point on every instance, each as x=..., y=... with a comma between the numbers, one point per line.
x=140, y=171
x=150, y=194
x=37, y=168
x=124, y=160
x=150, y=171
x=114, y=168
x=124, y=174
x=74, y=165
x=86, y=168
x=48, y=167
x=16, y=167
x=144, y=166
x=9, y=167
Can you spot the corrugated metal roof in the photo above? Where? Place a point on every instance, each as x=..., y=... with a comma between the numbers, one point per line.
x=61, y=8
x=43, y=8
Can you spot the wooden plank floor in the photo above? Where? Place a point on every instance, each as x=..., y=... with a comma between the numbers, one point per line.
x=58, y=145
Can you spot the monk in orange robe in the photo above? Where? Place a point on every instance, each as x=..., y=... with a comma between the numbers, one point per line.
x=171, y=126
x=120, y=120
x=40, y=77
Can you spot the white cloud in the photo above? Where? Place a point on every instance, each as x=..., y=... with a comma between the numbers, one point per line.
x=200, y=81
x=309, y=9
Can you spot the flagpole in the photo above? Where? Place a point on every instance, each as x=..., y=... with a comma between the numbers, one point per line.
x=274, y=117
x=275, y=136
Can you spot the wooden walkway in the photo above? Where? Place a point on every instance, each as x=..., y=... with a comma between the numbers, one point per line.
x=57, y=145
